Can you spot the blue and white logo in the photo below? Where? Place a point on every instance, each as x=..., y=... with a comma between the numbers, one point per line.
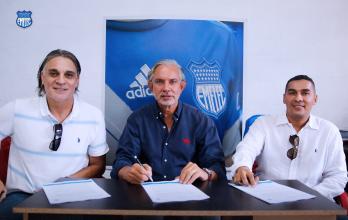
x=138, y=88
x=24, y=19
x=209, y=91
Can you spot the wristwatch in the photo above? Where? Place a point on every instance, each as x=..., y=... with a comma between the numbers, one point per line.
x=209, y=172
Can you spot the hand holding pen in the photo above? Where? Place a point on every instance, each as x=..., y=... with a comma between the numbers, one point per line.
x=147, y=169
x=136, y=173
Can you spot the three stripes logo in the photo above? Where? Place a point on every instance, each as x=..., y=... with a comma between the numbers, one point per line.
x=139, y=88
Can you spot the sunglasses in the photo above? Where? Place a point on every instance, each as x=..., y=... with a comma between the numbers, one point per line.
x=294, y=141
x=58, y=131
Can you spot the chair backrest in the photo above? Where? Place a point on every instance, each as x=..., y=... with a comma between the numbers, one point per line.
x=4, y=153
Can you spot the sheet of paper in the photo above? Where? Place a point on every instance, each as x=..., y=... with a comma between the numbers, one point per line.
x=172, y=191
x=72, y=191
x=272, y=192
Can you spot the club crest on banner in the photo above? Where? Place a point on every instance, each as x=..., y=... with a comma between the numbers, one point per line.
x=209, y=91
x=24, y=19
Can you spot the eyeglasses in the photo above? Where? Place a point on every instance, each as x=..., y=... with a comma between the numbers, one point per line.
x=58, y=131
x=292, y=152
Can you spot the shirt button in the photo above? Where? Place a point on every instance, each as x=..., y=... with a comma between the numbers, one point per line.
x=166, y=144
x=156, y=117
x=165, y=160
x=164, y=176
x=164, y=127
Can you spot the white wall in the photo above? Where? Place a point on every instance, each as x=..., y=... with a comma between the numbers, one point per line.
x=282, y=39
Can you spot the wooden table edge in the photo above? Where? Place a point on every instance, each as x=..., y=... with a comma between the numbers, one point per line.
x=78, y=211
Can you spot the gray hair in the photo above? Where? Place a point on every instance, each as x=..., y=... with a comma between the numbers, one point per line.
x=166, y=62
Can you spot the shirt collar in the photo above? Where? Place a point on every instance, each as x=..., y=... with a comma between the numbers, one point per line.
x=312, y=123
x=45, y=112
x=158, y=114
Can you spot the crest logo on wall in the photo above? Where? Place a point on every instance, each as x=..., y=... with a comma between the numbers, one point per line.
x=24, y=19
x=209, y=91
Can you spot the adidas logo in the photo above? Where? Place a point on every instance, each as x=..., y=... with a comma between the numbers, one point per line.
x=138, y=88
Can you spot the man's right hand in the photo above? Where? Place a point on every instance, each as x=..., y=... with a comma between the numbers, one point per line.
x=244, y=176
x=2, y=191
x=135, y=174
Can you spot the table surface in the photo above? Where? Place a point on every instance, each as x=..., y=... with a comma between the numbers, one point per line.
x=128, y=199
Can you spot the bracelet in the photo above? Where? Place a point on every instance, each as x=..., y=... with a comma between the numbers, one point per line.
x=209, y=172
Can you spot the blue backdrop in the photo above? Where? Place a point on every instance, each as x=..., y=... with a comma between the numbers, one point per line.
x=210, y=52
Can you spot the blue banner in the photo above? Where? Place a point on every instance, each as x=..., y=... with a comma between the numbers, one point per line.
x=210, y=52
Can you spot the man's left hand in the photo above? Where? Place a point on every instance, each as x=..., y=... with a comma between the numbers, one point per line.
x=191, y=172
x=2, y=191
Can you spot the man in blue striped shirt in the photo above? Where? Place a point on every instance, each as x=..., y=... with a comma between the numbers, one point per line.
x=54, y=135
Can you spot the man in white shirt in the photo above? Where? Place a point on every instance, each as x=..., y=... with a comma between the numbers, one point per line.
x=297, y=145
x=54, y=135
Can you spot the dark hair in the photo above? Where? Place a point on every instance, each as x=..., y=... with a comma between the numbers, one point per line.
x=300, y=77
x=50, y=56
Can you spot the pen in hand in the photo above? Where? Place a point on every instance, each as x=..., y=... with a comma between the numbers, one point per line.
x=138, y=161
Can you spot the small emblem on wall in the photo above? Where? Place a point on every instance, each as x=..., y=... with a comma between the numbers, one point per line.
x=24, y=19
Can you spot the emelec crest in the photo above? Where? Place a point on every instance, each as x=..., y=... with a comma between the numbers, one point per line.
x=209, y=91
x=24, y=19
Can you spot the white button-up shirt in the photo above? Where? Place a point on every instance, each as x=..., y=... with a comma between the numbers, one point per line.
x=320, y=162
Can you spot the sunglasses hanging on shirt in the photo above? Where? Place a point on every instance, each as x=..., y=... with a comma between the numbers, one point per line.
x=294, y=141
x=58, y=131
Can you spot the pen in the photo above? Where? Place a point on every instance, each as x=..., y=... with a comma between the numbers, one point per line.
x=136, y=158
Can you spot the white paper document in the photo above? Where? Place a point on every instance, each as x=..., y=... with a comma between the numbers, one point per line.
x=172, y=191
x=72, y=191
x=272, y=192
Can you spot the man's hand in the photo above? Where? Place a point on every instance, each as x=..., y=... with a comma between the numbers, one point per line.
x=244, y=176
x=191, y=172
x=135, y=174
x=2, y=191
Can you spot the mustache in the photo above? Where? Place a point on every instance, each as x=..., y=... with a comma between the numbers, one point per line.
x=166, y=94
